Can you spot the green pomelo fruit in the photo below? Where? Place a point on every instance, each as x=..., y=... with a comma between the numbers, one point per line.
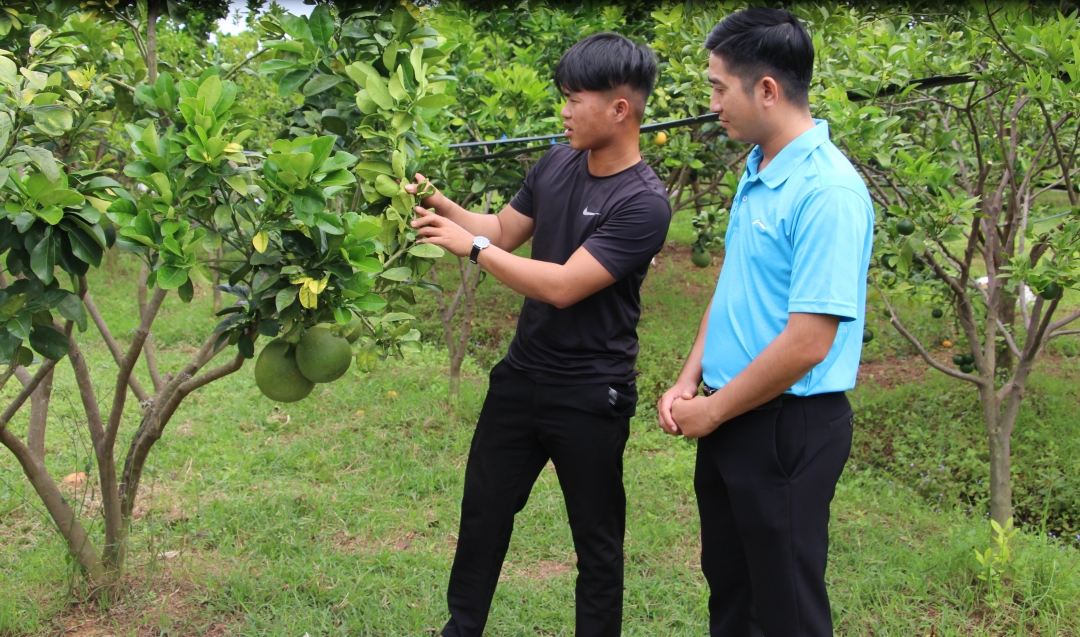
x=867, y=335
x=354, y=331
x=277, y=375
x=969, y=359
x=321, y=356
x=958, y=359
x=937, y=313
x=701, y=259
x=967, y=368
x=905, y=226
x=1051, y=291
x=888, y=277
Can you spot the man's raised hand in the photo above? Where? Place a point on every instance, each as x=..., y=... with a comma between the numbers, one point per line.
x=430, y=197
x=442, y=232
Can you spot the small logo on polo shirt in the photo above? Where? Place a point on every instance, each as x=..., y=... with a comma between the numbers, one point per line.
x=757, y=222
x=589, y=214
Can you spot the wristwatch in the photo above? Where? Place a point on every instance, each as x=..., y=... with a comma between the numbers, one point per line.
x=478, y=244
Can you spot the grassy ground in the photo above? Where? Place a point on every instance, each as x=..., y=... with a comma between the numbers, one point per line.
x=338, y=514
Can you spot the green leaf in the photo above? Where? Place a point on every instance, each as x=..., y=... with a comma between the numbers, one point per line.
x=62, y=197
x=292, y=81
x=44, y=256
x=45, y=161
x=9, y=73
x=386, y=186
x=321, y=82
x=426, y=251
x=53, y=120
x=395, y=88
x=436, y=100
x=377, y=91
x=370, y=302
x=186, y=291
x=286, y=297
x=170, y=278
x=49, y=342
x=51, y=214
x=321, y=25
x=297, y=27
x=210, y=91
x=72, y=309
x=397, y=274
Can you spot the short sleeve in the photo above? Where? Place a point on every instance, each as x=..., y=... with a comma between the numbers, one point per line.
x=632, y=235
x=831, y=239
x=523, y=200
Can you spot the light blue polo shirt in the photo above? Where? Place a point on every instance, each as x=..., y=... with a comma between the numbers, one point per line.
x=799, y=239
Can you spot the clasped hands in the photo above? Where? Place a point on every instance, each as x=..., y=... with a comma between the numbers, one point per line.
x=431, y=226
x=682, y=411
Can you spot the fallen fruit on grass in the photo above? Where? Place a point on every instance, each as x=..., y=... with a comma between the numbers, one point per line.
x=277, y=374
x=867, y=335
x=958, y=359
x=660, y=139
x=1051, y=291
x=905, y=226
x=321, y=356
x=937, y=313
x=946, y=344
x=701, y=258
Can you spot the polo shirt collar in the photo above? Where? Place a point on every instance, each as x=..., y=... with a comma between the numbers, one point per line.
x=788, y=159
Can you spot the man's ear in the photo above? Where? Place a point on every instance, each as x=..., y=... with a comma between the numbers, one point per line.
x=770, y=90
x=622, y=108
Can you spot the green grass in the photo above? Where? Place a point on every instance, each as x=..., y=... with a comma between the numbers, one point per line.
x=337, y=515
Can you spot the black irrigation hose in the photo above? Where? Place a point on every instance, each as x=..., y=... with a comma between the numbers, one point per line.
x=854, y=96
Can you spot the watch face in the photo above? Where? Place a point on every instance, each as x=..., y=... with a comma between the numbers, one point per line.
x=481, y=242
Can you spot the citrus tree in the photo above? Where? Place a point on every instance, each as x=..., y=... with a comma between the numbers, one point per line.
x=959, y=175
x=308, y=268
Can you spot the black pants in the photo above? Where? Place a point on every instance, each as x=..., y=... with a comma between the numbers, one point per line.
x=764, y=482
x=521, y=426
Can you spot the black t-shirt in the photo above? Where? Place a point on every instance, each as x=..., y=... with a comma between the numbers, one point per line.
x=622, y=220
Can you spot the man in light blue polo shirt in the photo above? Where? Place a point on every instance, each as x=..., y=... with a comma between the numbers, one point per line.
x=780, y=342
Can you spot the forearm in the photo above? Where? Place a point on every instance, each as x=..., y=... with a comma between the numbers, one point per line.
x=476, y=224
x=691, y=373
x=774, y=371
x=802, y=345
x=539, y=280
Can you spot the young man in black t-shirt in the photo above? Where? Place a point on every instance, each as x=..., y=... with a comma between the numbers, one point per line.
x=597, y=214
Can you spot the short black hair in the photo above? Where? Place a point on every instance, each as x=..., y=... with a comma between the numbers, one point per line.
x=606, y=61
x=760, y=41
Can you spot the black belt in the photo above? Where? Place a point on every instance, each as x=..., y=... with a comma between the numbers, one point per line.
x=775, y=403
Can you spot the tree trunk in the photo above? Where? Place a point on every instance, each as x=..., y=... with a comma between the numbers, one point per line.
x=998, y=435
x=39, y=416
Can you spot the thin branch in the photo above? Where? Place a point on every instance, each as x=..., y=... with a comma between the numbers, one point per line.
x=1057, y=325
x=24, y=395
x=1008, y=337
x=1062, y=333
x=127, y=364
x=236, y=69
x=911, y=338
x=114, y=347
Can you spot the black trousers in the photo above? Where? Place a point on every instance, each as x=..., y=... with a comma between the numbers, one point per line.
x=583, y=430
x=764, y=482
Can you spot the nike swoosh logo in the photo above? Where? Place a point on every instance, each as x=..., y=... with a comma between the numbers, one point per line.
x=589, y=214
x=757, y=222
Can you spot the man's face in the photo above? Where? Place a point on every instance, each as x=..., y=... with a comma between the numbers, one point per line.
x=739, y=111
x=589, y=118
